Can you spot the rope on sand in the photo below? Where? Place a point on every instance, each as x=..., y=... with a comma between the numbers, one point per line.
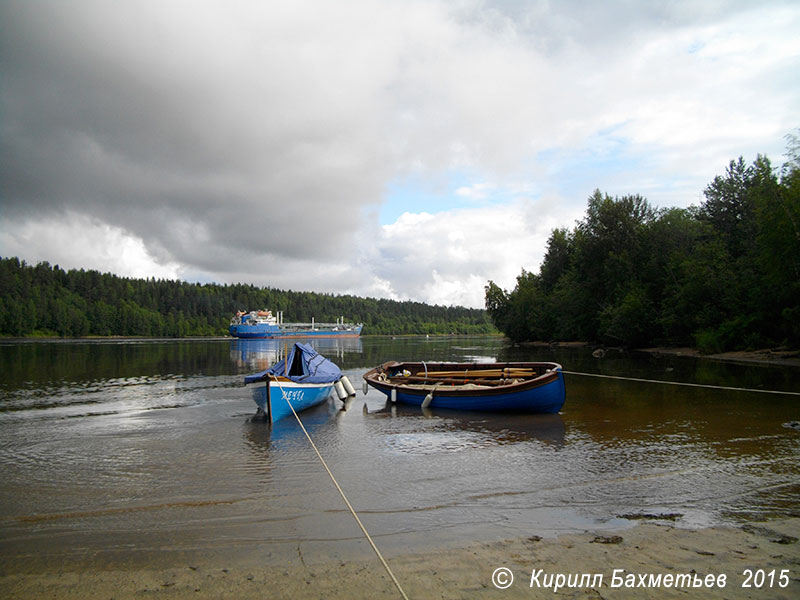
x=346, y=501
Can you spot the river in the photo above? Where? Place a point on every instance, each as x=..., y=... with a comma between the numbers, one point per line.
x=126, y=453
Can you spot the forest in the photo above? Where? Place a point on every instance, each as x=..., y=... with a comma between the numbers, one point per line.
x=724, y=275
x=45, y=300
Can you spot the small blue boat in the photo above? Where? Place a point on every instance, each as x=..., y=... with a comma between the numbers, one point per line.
x=529, y=387
x=304, y=378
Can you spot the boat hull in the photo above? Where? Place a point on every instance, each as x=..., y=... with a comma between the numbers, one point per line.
x=545, y=394
x=264, y=331
x=300, y=395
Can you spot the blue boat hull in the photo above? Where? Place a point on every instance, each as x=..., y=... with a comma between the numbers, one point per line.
x=300, y=395
x=548, y=398
x=545, y=394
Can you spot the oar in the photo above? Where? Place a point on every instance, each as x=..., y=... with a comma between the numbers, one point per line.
x=493, y=371
x=432, y=380
x=483, y=373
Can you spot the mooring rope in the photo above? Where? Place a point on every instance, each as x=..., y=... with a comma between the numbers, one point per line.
x=341, y=492
x=700, y=385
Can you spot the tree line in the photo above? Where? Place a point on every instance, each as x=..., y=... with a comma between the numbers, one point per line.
x=46, y=300
x=724, y=275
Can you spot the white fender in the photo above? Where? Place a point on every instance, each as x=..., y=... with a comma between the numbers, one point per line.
x=348, y=387
x=393, y=395
x=428, y=399
x=365, y=387
x=340, y=390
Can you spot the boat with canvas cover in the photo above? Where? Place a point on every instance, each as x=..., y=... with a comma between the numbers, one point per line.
x=302, y=379
x=529, y=387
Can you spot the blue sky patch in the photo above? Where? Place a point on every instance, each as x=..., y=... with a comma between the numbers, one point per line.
x=416, y=194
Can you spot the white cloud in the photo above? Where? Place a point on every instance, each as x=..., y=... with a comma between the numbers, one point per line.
x=449, y=257
x=476, y=191
x=76, y=241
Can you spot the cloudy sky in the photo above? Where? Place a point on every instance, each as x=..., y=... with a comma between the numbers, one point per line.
x=409, y=149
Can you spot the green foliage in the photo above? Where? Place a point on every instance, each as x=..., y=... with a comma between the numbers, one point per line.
x=45, y=300
x=722, y=276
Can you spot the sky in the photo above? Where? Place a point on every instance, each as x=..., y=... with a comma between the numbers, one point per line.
x=411, y=150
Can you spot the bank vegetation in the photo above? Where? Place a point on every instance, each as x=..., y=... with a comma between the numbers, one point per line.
x=724, y=275
x=46, y=300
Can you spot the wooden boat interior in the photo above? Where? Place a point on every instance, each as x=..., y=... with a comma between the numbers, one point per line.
x=457, y=374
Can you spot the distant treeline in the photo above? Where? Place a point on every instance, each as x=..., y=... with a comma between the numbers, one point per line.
x=724, y=275
x=45, y=300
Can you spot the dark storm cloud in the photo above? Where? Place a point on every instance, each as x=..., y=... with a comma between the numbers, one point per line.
x=205, y=134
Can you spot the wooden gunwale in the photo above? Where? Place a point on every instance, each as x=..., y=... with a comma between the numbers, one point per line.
x=401, y=379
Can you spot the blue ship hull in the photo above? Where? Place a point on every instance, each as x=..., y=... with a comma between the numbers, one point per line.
x=300, y=395
x=272, y=332
x=543, y=393
x=265, y=331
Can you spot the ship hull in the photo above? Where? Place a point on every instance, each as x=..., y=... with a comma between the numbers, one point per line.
x=264, y=331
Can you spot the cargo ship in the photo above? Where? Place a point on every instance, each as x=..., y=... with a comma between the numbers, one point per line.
x=260, y=324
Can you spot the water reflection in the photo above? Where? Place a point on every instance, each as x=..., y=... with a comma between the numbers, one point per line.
x=257, y=355
x=489, y=428
x=724, y=423
x=260, y=436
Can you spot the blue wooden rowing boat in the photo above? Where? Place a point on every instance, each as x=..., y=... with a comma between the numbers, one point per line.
x=530, y=387
x=304, y=378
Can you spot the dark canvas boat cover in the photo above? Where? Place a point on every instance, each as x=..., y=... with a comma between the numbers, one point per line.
x=306, y=365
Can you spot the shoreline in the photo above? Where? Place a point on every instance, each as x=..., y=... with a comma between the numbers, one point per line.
x=190, y=338
x=766, y=356
x=783, y=358
x=647, y=549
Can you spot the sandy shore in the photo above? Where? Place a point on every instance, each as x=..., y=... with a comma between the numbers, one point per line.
x=466, y=572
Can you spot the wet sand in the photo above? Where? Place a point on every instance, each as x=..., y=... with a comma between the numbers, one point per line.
x=655, y=548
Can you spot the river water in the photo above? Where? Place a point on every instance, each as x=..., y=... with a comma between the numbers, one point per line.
x=124, y=454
